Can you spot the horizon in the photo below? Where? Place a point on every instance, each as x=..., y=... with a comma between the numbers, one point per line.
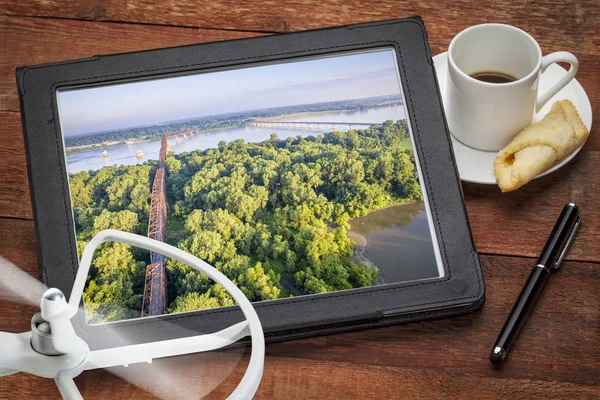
x=344, y=77
x=174, y=121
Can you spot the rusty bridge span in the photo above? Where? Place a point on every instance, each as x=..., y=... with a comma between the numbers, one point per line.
x=155, y=294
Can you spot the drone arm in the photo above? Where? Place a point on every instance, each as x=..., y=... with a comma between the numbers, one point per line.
x=146, y=352
x=66, y=386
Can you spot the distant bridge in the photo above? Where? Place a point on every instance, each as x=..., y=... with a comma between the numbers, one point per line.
x=326, y=123
x=184, y=134
x=299, y=125
x=308, y=125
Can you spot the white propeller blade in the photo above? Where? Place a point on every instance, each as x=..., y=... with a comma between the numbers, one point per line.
x=187, y=377
x=18, y=286
x=146, y=352
x=7, y=354
x=178, y=377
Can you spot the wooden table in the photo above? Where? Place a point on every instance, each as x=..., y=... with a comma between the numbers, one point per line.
x=558, y=352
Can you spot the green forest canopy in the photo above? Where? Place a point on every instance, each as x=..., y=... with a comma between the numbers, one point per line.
x=272, y=216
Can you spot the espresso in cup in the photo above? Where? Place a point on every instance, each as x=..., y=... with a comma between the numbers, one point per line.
x=493, y=77
x=492, y=91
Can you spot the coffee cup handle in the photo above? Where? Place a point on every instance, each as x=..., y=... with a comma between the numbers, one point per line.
x=559, y=56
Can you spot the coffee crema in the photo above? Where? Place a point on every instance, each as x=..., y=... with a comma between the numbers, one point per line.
x=493, y=77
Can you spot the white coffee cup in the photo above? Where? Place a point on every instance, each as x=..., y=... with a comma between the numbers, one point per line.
x=484, y=115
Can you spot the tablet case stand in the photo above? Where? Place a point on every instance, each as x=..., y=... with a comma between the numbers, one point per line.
x=460, y=291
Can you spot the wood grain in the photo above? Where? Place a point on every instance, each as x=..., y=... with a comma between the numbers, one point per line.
x=14, y=186
x=286, y=378
x=569, y=24
x=47, y=36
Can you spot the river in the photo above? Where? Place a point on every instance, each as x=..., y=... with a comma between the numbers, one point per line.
x=126, y=154
x=397, y=240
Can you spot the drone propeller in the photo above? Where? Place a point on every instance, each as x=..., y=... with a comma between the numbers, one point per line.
x=55, y=311
x=17, y=285
x=166, y=378
x=176, y=378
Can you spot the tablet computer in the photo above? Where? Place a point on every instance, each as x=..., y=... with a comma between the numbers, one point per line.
x=313, y=169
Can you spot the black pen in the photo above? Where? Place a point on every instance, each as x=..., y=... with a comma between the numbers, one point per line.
x=550, y=259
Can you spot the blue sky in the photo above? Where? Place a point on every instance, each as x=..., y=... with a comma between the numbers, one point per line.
x=343, y=77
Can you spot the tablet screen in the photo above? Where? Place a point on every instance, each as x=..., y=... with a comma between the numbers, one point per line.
x=294, y=178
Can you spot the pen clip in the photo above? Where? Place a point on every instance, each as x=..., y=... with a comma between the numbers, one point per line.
x=568, y=243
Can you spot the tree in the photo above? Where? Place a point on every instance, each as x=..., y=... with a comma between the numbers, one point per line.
x=114, y=259
x=256, y=285
x=192, y=302
x=173, y=165
x=206, y=245
x=186, y=280
x=110, y=295
x=121, y=220
x=81, y=192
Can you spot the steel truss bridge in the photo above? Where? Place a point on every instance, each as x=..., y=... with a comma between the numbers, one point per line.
x=155, y=286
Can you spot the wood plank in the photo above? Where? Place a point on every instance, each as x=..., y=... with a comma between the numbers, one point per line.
x=289, y=378
x=559, y=343
x=14, y=185
x=559, y=24
x=50, y=40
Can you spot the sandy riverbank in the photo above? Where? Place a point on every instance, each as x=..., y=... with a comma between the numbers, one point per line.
x=359, y=255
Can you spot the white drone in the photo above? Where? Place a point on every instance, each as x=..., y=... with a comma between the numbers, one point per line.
x=53, y=350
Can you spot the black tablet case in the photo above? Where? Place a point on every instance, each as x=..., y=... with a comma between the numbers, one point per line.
x=461, y=290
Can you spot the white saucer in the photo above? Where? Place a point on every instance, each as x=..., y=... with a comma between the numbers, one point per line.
x=477, y=166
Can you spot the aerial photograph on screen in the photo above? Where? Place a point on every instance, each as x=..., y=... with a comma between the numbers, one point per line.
x=291, y=179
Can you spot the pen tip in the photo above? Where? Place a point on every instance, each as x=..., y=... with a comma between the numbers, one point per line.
x=495, y=358
x=497, y=355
